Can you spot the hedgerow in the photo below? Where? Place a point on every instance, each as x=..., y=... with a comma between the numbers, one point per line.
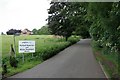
x=49, y=49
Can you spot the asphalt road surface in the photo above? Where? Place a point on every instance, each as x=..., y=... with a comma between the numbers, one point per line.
x=76, y=61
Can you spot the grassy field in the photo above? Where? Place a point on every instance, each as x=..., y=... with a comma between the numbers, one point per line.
x=41, y=41
x=46, y=47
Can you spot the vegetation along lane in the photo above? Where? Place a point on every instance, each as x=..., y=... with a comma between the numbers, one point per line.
x=76, y=61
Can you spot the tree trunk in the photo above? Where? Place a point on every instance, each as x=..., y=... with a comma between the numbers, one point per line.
x=66, y=38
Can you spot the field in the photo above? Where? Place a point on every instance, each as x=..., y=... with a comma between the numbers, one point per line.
x=46, y=47
x=42, y=41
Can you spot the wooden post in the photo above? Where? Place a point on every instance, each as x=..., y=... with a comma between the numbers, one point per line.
x=23, y=57
x=14, y=46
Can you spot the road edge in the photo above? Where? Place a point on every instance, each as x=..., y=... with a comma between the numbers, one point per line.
x=103, y=70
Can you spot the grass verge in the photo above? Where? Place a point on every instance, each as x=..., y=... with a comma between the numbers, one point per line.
x=46, y=47
x=21, y=67
x=109, y=62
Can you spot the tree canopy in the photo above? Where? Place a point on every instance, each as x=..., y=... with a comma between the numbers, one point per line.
x=42, y=31
x=100, y=20
x=13, y=31
x=105, y=24
x=64, y=17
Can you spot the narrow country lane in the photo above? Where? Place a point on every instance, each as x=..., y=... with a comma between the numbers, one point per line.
x=76, y=61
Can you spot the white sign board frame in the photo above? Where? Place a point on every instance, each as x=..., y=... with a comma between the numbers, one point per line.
x=26, y=46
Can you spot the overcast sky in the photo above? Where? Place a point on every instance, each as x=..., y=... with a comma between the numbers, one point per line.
x=21, y=14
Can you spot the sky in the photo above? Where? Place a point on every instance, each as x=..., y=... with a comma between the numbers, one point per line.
x=21, y=14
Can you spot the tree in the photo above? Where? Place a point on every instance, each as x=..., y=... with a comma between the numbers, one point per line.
x=105, y=27
x=13, y=31
x=2, y=33
x=65, y=17
x=44, y=31
x=105, y=22
x=35, y=32
x=83, y=31
x=58, y=21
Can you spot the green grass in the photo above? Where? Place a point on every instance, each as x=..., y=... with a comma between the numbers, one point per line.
x=41, y=41
x=109, y=60
x=22, y=67
x=46, y=47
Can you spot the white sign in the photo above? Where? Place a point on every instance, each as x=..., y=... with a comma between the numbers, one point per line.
x=26, y=46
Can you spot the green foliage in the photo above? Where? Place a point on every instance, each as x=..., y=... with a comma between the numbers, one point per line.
x=13, y=62
x=101, y=20
x=108, y=60
x=66, y=17
x=35, y=32
x=46, y=47
x=105, y=23
x=42, y=31
x=83, y=31
x=4, y=68
x=104, y=30
x=51, y=51
x=2, y=33
x=59, y=21
x=73, y=39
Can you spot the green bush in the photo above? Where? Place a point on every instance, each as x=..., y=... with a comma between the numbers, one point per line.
x=13, y=62
x=96, y=45
x=73, y=39
x=50, y=48
x=4, y=67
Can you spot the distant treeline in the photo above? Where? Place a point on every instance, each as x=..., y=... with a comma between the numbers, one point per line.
x=42, y=31
x=13, y=31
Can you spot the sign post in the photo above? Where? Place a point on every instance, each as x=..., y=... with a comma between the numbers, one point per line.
x=16, y=34
x=23, y=57
x=26, y=46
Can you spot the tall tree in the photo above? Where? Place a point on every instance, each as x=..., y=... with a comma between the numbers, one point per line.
x=105, y=22
x=65, y=17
